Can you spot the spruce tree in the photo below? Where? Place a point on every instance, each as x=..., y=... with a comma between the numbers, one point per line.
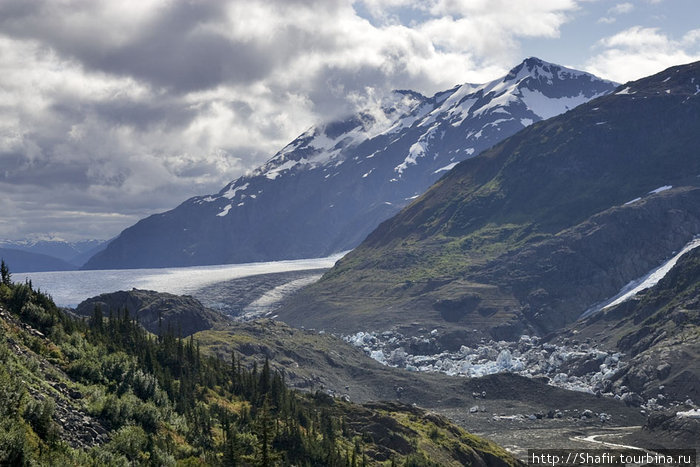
x=5, y=274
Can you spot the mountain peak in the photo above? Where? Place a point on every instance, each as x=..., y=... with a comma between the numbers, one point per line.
x=542, y=70
x=348, y=175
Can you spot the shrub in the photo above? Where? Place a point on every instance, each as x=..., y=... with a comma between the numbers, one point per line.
x=40, y=417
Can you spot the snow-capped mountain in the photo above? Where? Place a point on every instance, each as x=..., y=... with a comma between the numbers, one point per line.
x=331, y=186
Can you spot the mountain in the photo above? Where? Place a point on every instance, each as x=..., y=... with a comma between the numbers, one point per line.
x=533, y=232
x=23, y=261
x=75, y=253
x=327, y=189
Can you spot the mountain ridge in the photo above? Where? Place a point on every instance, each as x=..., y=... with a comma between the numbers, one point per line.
x=587, y=177
x=327, y=189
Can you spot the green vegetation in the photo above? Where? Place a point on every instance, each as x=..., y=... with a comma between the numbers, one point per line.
x=158, y=400
x=541, y=221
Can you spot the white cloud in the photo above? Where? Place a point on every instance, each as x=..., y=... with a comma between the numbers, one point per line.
x=132, y=106
x=637, y=52
x=613, y=12
x=621, y=8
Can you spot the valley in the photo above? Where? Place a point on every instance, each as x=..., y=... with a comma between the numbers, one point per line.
x=540, y=294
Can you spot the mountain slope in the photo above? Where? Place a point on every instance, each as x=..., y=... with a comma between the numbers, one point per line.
x=330, y=187
x=660, y=330
x=527, y=236
x=105, y=392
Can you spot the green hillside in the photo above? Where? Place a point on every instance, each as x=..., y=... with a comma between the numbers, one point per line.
x=104, y=391
x=529, y=234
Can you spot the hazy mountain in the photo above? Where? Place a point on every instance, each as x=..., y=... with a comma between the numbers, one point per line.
x=330, y=187
x=533, y=232
x=75, y=253
x=23, y=261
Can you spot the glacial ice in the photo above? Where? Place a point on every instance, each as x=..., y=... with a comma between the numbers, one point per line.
x=527, y=357
x=694, y=413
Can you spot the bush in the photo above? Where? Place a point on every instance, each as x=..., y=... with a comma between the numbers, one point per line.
x=144, y=385
x=13, y=443
x=40, y=417
x=12, y=392
x=130, y=441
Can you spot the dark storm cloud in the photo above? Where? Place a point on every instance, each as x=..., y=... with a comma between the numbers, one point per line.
x=16, y=170
x=143, y=115
x=176, y=49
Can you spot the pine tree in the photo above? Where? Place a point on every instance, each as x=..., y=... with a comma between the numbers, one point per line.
x=97, y=319
x=265, y=426
x=5, y=274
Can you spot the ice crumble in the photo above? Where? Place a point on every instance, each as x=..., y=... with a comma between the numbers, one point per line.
x=527, y=357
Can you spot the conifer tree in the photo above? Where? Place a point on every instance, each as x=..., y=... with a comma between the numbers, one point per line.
x=5, y=275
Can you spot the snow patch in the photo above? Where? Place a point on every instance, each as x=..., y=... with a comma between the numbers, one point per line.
x=446, y=168
x=625, y=91
x=526, y=121
x=225, y=211
x=231, y=193
x=275, y=172
x=632, y=201
x=416, y=151
x=660, y=189
x=546, y=107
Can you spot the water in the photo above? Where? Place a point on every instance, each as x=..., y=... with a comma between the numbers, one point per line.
x=69, y=288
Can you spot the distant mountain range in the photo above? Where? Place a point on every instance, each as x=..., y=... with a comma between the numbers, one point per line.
x=48, y=255
x=536, y=230
x=23, y=261
x=330, y=187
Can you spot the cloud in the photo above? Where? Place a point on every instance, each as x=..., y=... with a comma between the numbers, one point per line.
x=613, y=12
x=621, y=8
x=128, y=107
x=637, y=52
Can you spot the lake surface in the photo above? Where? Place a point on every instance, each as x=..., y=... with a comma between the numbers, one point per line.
x=69, y=288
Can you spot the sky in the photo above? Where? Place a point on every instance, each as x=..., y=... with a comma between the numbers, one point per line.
x=112, y=110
